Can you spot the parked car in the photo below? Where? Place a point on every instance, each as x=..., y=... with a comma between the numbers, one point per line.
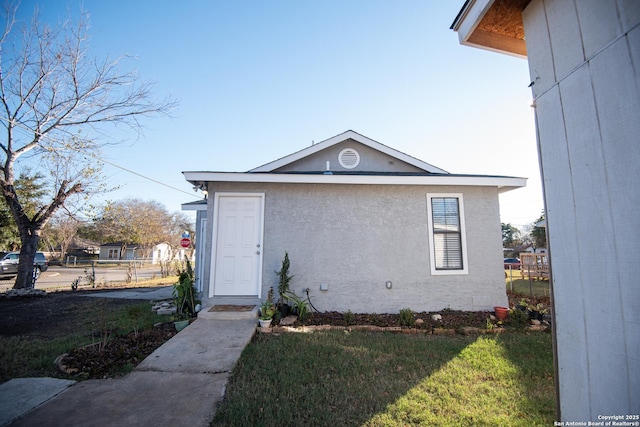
x=513, y=263
x=9, y=264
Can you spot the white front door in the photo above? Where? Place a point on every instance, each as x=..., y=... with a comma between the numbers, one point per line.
x=237, y=256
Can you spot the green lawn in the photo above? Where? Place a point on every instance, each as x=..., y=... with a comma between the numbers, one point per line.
x=524, y=287
x=381, y=379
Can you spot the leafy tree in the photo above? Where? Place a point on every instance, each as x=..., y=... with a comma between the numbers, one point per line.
x=51, y=93
x=534, y=236
x=510, y=235
x=30, y=188
x=145, y=223
x=538, y=234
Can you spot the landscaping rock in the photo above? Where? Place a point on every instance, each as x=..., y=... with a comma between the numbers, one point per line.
x=535, y=322
x=436, y=317
x=23, y=293
x=166, y=311
x=289, y=320
x=419, y=322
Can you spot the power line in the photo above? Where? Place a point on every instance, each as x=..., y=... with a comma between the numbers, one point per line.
x=24, y=127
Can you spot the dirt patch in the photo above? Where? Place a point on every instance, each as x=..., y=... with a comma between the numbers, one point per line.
x=60, y=314
x=54, y=315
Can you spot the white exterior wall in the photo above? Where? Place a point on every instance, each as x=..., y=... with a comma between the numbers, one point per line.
x=584, y=57
x=356, y=237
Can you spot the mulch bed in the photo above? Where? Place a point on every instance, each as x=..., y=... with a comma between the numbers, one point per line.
x=118, y=356
x=451, y=319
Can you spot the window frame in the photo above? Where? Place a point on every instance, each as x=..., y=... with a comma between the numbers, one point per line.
x=463, y=235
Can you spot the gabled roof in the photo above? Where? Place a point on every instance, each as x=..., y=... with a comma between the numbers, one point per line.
x=276, y=164
x=279, y=171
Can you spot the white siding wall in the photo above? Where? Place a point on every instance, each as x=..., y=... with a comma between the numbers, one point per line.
x=356, y=237
x=585, y=61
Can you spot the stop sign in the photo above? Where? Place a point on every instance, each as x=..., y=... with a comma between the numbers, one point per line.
x=185, y=242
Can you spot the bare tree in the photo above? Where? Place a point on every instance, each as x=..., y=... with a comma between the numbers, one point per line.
x=60, y=232
x=52, y=95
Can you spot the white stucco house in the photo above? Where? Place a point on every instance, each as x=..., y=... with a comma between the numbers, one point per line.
x=367, y=229
x=161, y=252
x=584, y=62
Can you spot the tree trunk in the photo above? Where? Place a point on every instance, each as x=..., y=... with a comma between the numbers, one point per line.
x=25, y=265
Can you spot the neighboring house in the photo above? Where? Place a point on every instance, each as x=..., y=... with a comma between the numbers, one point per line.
x=367, y=229
x=161, y=252
x=113, y=252
x=530, y=250
x=584, y=62
x=164, y=252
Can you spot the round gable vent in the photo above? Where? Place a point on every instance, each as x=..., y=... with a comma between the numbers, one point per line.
x=349, y=158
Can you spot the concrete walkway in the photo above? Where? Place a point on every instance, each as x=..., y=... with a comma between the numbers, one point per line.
x=180, y=384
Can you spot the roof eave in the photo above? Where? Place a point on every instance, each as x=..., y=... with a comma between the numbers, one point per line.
x=473, y=32
x=501, y=182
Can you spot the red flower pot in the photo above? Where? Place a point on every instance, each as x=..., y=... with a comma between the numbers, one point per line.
x=501, y=312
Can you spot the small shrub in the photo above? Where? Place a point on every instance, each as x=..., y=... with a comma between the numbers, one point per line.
x=518, y=318
x=349, y=317
x=136, y=314
x=406, y=318
x=374, y=319
x=300, y=306
x=284, y=279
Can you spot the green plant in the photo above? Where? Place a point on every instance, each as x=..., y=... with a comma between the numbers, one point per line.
x=490, y=326
x=267, y=310
x=518, y=318
x=300, y=306
x=406, y=318
x=184, y=293
x=349, y=317
x=539, y=307
x=105, y=325
x=374, y=319
x=284, y=279
x=136, y=314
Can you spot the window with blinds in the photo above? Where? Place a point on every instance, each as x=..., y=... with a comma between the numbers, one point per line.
x=446, y=234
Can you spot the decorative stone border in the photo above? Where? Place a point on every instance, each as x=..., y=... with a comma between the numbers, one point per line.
x=396, y=329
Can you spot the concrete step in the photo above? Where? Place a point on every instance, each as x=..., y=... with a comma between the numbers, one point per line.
x=229, y=312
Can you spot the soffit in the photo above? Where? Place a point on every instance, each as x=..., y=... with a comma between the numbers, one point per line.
x=495, y=25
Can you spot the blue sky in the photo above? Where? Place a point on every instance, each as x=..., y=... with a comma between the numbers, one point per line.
x=257, y=80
